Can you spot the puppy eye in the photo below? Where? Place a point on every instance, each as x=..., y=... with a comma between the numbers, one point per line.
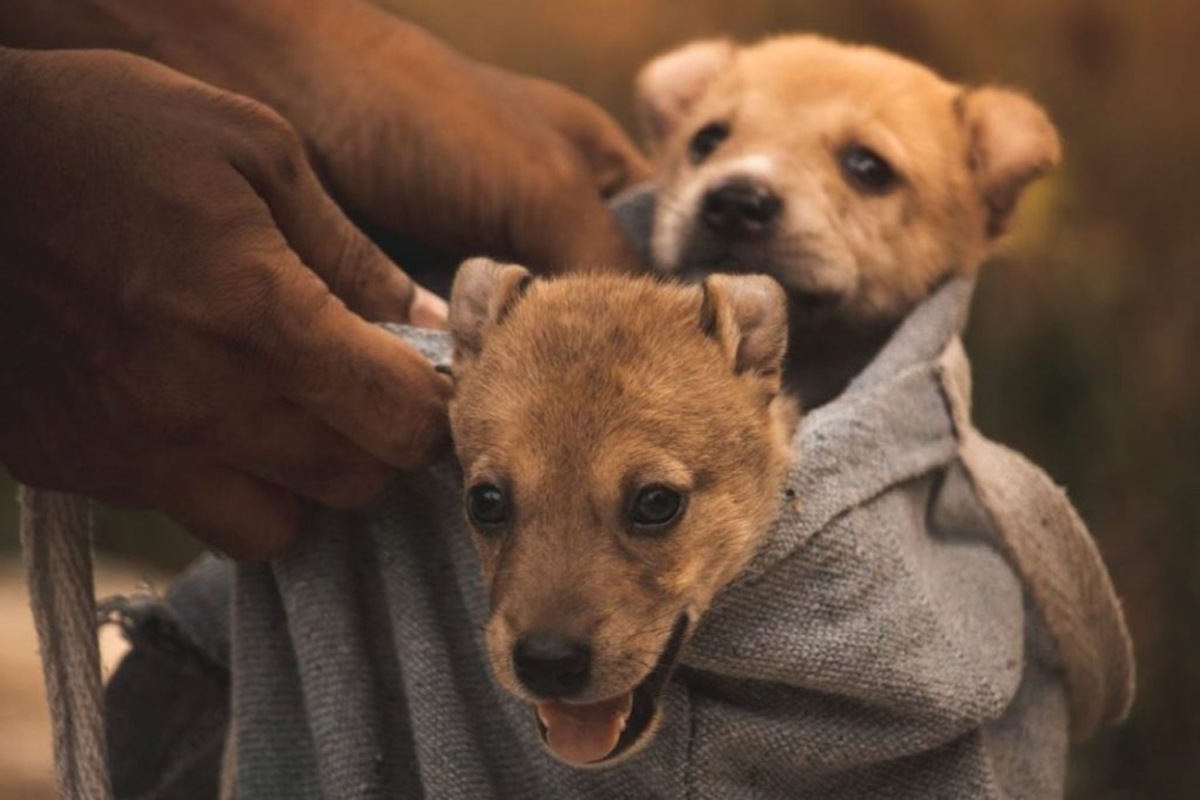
x=706, y=140
x=868, y=170
x=656, y=507
x=487, y=505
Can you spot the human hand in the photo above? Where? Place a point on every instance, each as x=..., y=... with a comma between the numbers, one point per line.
x=177, y=298
x=415, y=139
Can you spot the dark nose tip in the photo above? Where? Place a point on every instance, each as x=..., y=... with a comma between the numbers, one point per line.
x=740, y=209
x=550, y=666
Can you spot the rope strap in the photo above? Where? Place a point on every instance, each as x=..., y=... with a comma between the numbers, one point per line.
x=56, y=537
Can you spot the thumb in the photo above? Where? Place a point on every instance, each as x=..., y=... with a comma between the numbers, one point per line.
x=613, y=160
x=571, y=230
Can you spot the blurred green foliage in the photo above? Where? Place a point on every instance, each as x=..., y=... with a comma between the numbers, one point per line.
x=1085, y=329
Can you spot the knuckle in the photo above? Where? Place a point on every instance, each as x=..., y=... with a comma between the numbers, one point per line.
x=276, y=145
x=562, y=170
x=369, y=282
x=351, y=267
x=285, y=158
x=284, y=151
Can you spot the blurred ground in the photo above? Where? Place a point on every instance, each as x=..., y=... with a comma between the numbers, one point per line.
x=1085, y=331
x=25, y=764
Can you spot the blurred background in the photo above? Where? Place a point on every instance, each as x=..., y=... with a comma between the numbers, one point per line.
x=1084, y=334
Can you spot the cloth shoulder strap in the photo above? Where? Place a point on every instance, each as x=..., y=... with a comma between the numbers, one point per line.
x=1056, y=558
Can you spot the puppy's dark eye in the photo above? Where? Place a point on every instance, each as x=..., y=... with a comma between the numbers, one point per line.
x=656, y=507
x=867, y=170
x=706, y=140
x=487, y=505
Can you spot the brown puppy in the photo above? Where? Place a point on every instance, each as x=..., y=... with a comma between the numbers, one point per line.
x=857, y=178
x=623, y=444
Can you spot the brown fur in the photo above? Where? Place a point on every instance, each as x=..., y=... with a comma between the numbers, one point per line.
x=853, y=262
x=573, y=393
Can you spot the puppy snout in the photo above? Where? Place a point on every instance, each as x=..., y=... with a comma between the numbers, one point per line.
x=740, y=209
x=551, y=666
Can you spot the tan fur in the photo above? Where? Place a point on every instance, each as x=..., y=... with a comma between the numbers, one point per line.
x=572, y=393
x=794, y=104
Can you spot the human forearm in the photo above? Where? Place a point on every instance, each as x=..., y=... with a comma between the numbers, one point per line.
x=292, y=55
x=266, y=49
x=405, y=133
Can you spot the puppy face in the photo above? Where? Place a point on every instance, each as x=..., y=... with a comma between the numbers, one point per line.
x=622, y=446
x=855, y=177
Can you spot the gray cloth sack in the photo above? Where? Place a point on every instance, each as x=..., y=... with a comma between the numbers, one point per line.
x=927, y=618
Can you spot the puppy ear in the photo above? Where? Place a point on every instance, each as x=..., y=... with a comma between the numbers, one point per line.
x=1012, y=143
x=484, y=292
x=747, y=315
x=668, y=87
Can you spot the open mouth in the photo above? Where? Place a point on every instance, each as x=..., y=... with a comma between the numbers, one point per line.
x=592, y=733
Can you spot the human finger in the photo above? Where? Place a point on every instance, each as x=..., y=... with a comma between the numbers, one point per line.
x=613, y=160
x=238, y=514
x=290, y=448
x=362, y=381
x=328, y=243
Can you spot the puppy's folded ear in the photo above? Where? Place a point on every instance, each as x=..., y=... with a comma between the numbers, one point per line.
x=1012, y=143
x=668, y=87
x=747, y=315
x=484, y=292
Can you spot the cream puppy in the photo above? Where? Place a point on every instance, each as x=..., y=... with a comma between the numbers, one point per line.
x=858, y=179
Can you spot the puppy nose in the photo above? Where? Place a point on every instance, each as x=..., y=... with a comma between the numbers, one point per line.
x=550, y=666
x=740, y=209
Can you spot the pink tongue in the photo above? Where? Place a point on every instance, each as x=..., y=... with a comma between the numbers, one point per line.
x=583, y=734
